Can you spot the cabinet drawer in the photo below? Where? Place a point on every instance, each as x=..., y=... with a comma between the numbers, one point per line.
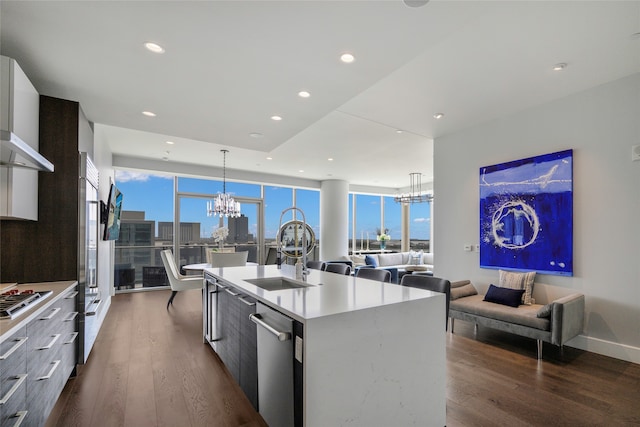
x=11, y=411
x=13, y=368
x=43, y=388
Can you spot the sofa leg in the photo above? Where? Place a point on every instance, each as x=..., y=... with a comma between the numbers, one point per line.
x=451, y=319
x=539, y=349
x=475, y=329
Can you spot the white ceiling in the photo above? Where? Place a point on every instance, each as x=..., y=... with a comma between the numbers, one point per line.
x=230, y=65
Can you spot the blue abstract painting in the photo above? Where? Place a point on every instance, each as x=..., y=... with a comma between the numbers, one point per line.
x=526, y=214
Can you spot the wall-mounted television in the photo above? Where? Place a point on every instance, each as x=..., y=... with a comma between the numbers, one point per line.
x=112, y=213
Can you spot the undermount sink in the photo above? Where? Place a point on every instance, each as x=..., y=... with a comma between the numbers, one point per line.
x=277, y=283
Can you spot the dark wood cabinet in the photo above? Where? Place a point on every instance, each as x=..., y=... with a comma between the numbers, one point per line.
x=51, y=243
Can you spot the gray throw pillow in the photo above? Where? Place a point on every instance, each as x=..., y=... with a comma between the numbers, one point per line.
x=463, y=291
x=545, y=311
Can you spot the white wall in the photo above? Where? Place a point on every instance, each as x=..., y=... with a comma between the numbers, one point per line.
x=600, y=125
x=102, y=158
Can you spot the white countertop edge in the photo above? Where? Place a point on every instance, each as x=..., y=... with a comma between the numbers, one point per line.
x=333, y=288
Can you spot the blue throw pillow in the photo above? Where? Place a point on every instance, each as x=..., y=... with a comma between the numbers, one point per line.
x=504, y=296
x=369, y=260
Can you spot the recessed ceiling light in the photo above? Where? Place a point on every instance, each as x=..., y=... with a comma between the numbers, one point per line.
x=170, y=142
x=560, y=66
x=416, y=3
x=347, y=58
x=269, y=158
x=438, y=116
x=399, y=131
x=301, y=170
x=154, y=47
x=330, y=159
x=149, y=113
x=304, y=94
x=256, y=135
x=276, y=118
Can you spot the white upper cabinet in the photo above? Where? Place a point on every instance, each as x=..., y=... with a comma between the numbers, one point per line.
x=20, y=115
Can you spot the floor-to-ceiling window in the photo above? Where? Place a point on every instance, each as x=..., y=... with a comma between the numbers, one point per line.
x=369, y=215
x=367, y=222
x=392, y=221
x=420, y=226
x=147, y=203
x=149, y=217
x=309, y=202
x=197, y=227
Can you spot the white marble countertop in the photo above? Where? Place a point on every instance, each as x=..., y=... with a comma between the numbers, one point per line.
x=326, y=294
x=9, y=326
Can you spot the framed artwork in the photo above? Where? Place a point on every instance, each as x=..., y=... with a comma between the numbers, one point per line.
x=526, y=214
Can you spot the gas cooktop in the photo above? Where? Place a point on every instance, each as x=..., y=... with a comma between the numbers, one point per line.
x=14, y=303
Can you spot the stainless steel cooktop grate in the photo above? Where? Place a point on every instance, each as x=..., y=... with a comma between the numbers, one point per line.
x=12, y=305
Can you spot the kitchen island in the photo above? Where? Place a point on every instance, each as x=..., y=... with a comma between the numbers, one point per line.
x=372, y=353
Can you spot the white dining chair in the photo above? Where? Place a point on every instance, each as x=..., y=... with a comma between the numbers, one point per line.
x=177, y=281
x=231, y=259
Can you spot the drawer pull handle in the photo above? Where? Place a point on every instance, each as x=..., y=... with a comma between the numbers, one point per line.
x=20, y=415
x=53, y=341
x=230, y=292
x=55, y=364
x=92, y=311
x=282, y=336
x=19, y=342
x=13, y=389
x=249, y=303
x=71, y=316
x=53, y=313
x=71, y=295
x=72, y=339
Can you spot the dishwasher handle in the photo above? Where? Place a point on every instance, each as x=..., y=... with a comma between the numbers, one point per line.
x=282, y=336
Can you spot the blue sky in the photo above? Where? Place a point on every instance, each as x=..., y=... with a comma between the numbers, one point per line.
x=153, y=194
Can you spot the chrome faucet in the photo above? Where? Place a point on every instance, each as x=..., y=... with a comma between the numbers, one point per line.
x=305, y=271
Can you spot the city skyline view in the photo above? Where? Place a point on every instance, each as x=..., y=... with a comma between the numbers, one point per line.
x=154, y=195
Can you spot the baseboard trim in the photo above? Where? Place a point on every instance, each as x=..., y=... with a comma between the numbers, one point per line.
x=606, y=348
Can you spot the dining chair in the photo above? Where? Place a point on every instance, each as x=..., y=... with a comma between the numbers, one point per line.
x=338, y=267
x=430, y=283
x=230, y=259
x=213, y=251
x=177, y=281
x=374, y=274
x=316, y=265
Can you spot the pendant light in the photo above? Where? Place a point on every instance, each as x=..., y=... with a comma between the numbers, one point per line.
x=415, y=194
x=223, y=204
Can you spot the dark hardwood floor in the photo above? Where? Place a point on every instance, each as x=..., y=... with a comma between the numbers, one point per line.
x=149, y=367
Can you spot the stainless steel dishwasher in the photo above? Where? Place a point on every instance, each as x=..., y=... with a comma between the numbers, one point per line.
x=275, y=366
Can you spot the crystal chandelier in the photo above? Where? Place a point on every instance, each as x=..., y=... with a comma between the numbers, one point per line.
x=223, y=204
x=415, y=194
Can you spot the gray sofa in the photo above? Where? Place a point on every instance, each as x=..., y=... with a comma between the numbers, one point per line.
x=398, y=260
x=564, y=321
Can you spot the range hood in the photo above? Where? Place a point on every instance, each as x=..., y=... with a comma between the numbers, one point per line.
x=14, y=152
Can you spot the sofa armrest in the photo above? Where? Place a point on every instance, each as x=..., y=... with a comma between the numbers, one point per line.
x=567, y=318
